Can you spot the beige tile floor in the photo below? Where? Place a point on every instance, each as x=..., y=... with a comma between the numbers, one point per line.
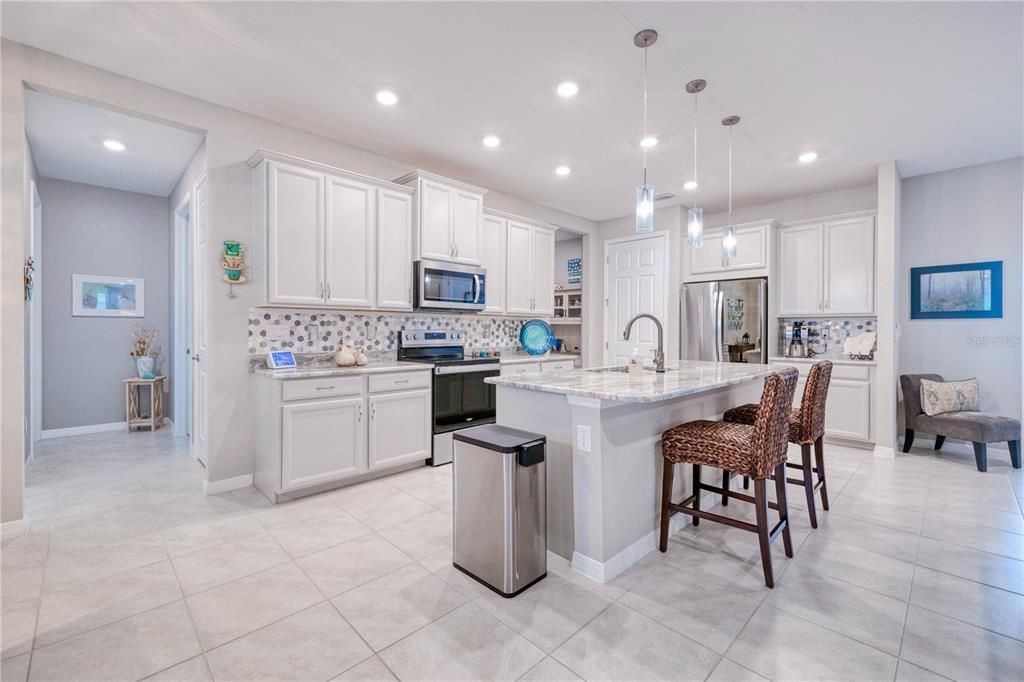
x=127, y=571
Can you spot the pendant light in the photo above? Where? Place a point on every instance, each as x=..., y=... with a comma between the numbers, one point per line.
x=729, y=234
x=645, y=192
x=695, y=216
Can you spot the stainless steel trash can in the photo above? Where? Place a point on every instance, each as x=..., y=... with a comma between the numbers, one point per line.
x=500, y=507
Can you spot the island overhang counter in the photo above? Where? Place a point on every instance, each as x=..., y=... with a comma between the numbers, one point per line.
x=603, y=430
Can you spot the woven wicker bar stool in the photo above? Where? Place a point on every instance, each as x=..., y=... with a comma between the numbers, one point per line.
x=806, y=427
x=756, y=450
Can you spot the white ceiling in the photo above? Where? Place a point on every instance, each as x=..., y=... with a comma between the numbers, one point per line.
x=932, y=85
x=67, y=137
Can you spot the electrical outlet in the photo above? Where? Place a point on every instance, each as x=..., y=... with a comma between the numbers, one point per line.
x=583, y=438
x=278, y=332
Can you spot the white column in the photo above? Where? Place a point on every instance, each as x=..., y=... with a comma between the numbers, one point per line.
x=890, y=281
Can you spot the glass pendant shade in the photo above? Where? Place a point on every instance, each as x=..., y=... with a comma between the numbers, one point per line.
x=645, y=208
x=695, y=227
x=729, y=241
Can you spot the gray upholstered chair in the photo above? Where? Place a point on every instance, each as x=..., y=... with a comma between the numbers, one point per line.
x=978, y=427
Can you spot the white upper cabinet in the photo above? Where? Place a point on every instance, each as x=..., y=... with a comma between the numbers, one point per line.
x=467, y=227
x=828, y=267
x=492, y=255
x=751, y=259
x=800, y=268
x=519, y=277
x=394, y=250
x=318, y=236
x=349, y=247
x=531, y=269
x=850, y=266
x=543, y=272
x=294, y=234
x=436, y=213
x=448, y=218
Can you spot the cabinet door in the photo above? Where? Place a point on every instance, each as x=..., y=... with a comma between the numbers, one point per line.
x=800, y=271
x=394, y=250
x=751, y=249
x=707, y=259
x=466, y=227
x=543, y=272
x=399, y=428
x=850, y=266
x=848, y=409
x=435, y=221
x=322, y=441
x=493, y=259
x=295, y=222
x=519, y=278
x=349, y=248
x=515, y=369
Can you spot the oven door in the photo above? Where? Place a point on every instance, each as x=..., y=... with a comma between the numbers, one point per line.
x=462, y=398
x=447, y=286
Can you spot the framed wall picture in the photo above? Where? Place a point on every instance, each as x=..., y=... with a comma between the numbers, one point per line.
x=963, y=290
x=574, y=268
x=102, y=296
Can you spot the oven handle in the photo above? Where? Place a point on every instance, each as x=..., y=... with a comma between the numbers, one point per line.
x=468, y=369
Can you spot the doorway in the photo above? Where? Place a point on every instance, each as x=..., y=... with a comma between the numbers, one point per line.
x=35, y=327
x=181, y=373
x=635, y=278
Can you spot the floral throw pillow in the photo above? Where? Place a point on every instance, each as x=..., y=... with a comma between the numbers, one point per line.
x=938, y=397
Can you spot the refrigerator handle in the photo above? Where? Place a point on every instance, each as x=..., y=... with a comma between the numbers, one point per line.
x=763, y=322
x=719, y=336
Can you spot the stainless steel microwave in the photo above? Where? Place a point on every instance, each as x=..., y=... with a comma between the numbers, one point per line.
x=449, y=286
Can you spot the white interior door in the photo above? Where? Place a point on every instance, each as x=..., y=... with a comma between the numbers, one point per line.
x=635, y=281
x=200, y=336
x=349, y=243
x=35, y=348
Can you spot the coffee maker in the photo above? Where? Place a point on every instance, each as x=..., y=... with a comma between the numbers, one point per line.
x=793, y=345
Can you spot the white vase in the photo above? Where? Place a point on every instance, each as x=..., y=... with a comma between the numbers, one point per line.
x=145, y=365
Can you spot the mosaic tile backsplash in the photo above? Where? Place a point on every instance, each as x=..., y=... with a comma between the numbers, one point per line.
x=377, y=333
x=836, y=330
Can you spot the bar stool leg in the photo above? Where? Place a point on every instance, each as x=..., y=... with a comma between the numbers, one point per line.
x=746, y=482
x=819, y=459
x=763, y=530
x=667, y=470
x=696, y=492
x=780, y=495
x=725, y=487
x=805, y=459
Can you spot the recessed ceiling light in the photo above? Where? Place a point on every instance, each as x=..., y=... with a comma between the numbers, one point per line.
x=114, y=145
x=690, y=185
x=491, y=141
x=807, y=157
x=563, y=170
x=387, y=98
x=649, y=141
x=567, y=89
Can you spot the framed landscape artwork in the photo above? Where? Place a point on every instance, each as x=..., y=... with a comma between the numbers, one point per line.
x=964, y=290
x=100, y=296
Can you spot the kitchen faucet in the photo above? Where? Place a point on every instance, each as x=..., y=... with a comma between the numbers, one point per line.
x=659, y=355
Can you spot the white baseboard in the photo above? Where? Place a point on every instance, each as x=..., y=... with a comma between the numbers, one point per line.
x=82, y=430
x=609, y=570
x=12, y=527
x=227, y=484
x=884, y=451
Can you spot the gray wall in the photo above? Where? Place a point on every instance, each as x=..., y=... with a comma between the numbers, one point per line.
x=97, y=231
x=564, y=250
x=961, y=216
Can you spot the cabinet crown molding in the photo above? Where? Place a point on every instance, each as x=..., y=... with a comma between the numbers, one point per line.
x=268, y=155
x=829, y=218
x=422, y=174
x=770, y=222
x=519, y=219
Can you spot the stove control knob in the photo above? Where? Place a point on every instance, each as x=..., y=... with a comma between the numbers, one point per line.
x=416, y=336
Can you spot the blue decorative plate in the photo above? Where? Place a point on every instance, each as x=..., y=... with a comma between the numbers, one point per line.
x=536, y=337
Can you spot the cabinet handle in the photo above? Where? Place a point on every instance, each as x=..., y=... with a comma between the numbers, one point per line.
x=360, y=418
x=325, y=388
x=373, y=411
x=328, y=290
x=321, y=289
x=402, y=381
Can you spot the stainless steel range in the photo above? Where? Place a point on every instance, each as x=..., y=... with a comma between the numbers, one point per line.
x=460, y=397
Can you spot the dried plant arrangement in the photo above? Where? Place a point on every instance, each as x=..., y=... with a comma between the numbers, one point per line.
x=144, y=342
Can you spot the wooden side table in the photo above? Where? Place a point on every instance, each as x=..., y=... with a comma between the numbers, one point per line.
x=133, y=408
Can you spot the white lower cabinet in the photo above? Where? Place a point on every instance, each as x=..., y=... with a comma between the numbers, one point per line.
x=849, y=403
x=511, y=370
x=398, y=422
x=322, y=440
x=310, y=433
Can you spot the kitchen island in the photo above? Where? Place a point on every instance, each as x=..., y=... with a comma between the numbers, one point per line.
x=603, y=430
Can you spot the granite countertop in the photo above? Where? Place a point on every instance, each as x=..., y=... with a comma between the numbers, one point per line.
x=514, y=357
x=681, y=378
x=836, y=360
x=312, y=371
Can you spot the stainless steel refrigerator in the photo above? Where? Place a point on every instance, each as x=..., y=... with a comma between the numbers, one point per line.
x=725, y=321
